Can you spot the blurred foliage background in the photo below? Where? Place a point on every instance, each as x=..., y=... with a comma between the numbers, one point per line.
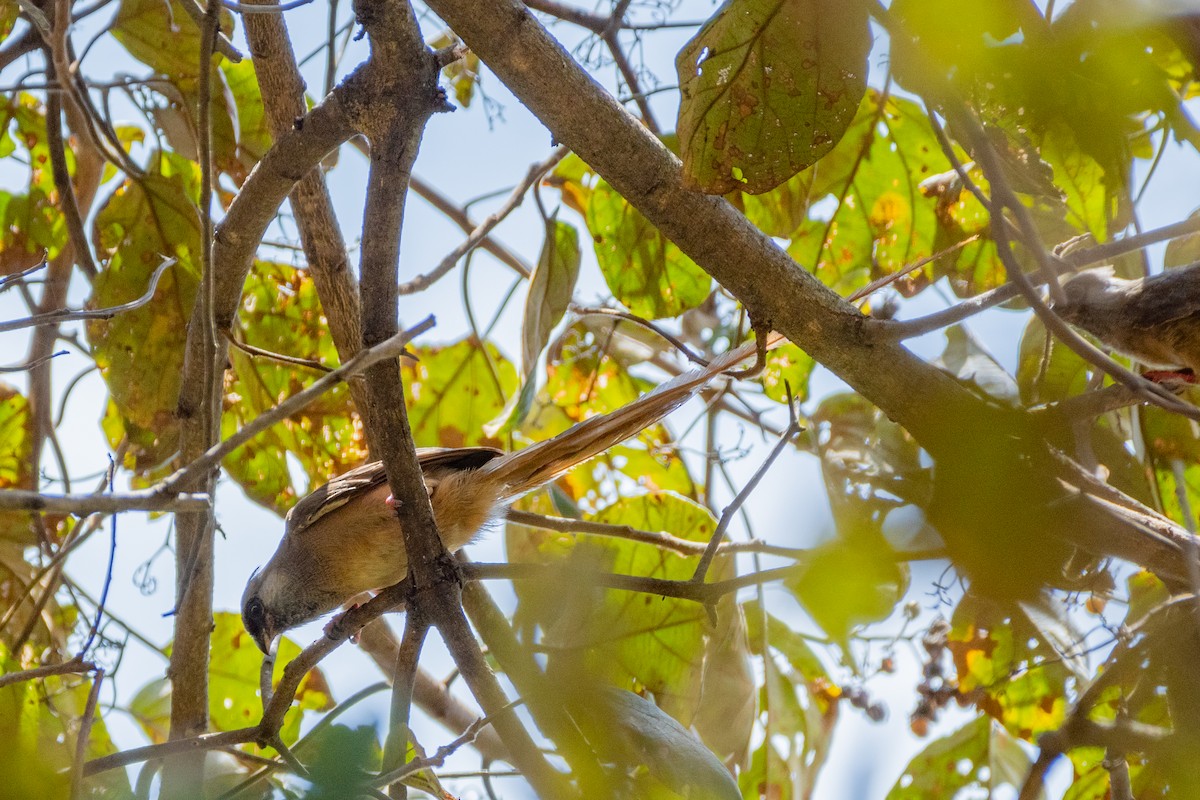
x=830, y=125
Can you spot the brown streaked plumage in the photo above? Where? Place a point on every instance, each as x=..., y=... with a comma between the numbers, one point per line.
x=343, y=538
x=1155, y=320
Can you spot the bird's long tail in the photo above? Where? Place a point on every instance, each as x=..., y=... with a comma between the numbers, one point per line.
x=525, y=470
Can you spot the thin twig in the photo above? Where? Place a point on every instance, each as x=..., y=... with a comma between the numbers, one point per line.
x=75, y=665
x=1087, y=405
x=85, y=731
x=390, y=348
x=710, y=551
x=887, y=280
x=534, y=174
x=9, y=280
x=37, y=362
x=143, y=500
x=662, y=539
x=108, y=573
x=66, y=315
x=249, y=349
x=677, y=343
x=438, y=758
x=250, y=8
x=288, y=756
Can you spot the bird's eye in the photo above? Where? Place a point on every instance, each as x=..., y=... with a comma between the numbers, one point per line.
x=254, y=610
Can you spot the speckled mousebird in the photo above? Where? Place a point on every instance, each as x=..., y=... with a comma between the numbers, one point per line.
x=343, y=538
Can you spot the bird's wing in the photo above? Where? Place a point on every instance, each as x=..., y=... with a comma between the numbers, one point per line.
x=1165, y=298
x=362, y=479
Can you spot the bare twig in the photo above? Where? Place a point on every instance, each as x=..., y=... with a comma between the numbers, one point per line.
x=251, y=350
x=534, y=174
x=143, y=500
x=459, y=217
x=435, y=760
x=85, y=731
x=391, y=348
x=705, y=593
x=37, y=362
x=250, y=8
x=675, y=341
x=889, y=279
x=710, y=551
x=656, y=538
x=1088, y=404
x=66, y=315
x=9, y=280
x=75, y=665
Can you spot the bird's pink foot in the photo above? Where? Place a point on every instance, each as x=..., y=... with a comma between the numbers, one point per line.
x=1171, y=376
x=391, y=501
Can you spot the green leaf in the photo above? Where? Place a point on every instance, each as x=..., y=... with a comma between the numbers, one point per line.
x=1091, y=204
x=39, y=723
x=768, y=87
x=162, y=35
x=781, y=210
x=9, y=11
x=463, y=73
x=455, y=390
x=550, y=289
x=344, y=757
x=792, y=646
x=965, y=359
x=728, y=703
x=1047, y=370
x=253, y=136
x=1021, y=676
x=967, y=48
x=15, y=432
x=234, y=699
x=587, y=373
x=788, y=370
x=632, y=732
x=883, y=220
x=626, y=639
x=977, y=755
x=140, y=352
x=1185, y=249
x=30, y=224
x=1146, y=593
x=280, y=312
x=643, y=269
x=850, y=581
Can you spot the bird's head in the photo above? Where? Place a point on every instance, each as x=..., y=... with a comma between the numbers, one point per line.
x=1087, y=288
x=273, y=604
x=260, y=621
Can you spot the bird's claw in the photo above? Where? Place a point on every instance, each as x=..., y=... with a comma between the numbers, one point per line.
x=333, y=624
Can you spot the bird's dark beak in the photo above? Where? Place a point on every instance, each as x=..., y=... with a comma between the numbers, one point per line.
x=266, y=638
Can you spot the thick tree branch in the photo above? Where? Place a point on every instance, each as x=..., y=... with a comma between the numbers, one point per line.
x=774, y=288
x=407, y=73
x=429, y=694
x=324, y=248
